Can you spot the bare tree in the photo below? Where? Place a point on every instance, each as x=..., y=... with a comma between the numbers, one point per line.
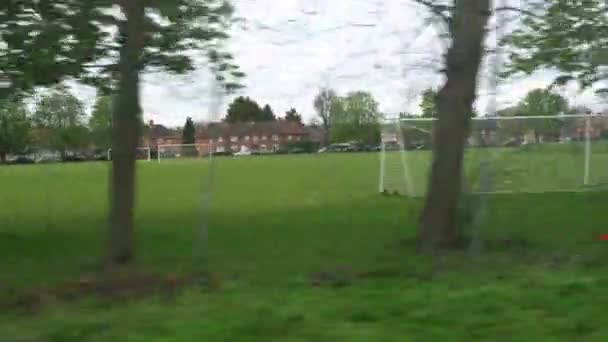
x=466, y=21
x=324, y=102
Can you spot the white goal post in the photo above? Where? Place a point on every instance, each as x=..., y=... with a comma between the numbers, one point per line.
x=145, y=152
x=520, y=154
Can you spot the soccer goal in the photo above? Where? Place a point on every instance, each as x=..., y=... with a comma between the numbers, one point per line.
x=515, y=154
x=142, y=153
x=182, y=152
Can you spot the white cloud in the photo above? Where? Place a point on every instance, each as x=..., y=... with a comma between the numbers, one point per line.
x=293, y=47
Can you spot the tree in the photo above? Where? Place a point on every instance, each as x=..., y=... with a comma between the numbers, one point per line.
x=566, y=35
x=543, y=102
x=15, y=128
x=45, y=41
x=466, y=22
x=244, y=109
x=100, y=122
x=267, y=114
x=189, y=137
x=326, y=103
x=356, y=119
x=147, y=42
x=293, y=115
x=428, y=106
x=63, y=115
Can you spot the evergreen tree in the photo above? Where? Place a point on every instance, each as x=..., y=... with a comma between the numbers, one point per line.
x=293, y=115
x=189, y=137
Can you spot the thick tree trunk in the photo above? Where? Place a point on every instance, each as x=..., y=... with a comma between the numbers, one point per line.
x=126, y=132
x=438, y=226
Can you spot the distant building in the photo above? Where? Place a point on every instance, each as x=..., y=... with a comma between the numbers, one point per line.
x=155, y=135
x=268, y=136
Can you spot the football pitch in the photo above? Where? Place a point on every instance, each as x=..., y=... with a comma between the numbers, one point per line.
x=304, y=248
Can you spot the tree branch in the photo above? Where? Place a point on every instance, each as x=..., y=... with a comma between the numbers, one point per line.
x=516, y=9
x=436, y=9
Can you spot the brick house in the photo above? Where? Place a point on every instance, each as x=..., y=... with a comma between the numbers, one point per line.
x=253, y=136
x=154, y=135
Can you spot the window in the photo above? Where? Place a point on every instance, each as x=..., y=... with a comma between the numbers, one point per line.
x=298, y=138
x=264, y=137
x=234, y=138
x=211, y=141
x=220, y=149
x=220, y=139
x=234, y=147
x=275, y=147
x=246, y=138
x=255, y=138
x=275, y=137
x=289, y=137
x=263, y=147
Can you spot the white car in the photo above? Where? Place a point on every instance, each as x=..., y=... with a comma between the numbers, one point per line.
x=242, y=153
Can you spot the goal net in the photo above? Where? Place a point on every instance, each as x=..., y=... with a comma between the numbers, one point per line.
x=142, y=153
x=182, y=152
x=512, y=154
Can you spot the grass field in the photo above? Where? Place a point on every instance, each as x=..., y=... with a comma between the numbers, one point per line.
x=302, y=248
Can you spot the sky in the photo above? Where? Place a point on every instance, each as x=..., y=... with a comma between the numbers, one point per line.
x=289, y=49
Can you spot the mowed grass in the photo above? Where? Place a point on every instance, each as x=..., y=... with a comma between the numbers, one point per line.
x=276, y=223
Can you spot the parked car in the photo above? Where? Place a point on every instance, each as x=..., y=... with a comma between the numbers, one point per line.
x=48, y=158
x=24, y=159
x=242, y=153
x=74, y=157
x=335, y=148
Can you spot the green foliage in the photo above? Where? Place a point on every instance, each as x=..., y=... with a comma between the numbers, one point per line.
x=567, y=35
x=304, y=146
x=100, y=122
x=267, y=114
x=189, y=137
x=43, y=42
x=63, y=116
x=428, y=106
x=544, y=102
x=244, y=109
x=293, y=115
x=355, y=117
x=15, y=128
x=189, y=132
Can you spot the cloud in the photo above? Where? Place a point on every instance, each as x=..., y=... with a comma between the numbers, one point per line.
x=291, y=48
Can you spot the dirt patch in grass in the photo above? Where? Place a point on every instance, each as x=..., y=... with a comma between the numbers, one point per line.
x=113, y=287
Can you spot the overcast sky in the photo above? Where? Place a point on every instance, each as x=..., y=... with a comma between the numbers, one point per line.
x=291, y=48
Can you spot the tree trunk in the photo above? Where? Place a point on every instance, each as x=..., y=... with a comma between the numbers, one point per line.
x=2, y=157
x=126, y=132
x=438, y=226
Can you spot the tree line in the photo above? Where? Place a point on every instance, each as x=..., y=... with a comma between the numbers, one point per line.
x=59, y=123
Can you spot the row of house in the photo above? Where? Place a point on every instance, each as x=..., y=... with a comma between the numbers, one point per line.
x=223, y=137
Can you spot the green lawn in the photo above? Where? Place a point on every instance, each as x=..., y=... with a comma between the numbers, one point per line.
x=275, y=224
